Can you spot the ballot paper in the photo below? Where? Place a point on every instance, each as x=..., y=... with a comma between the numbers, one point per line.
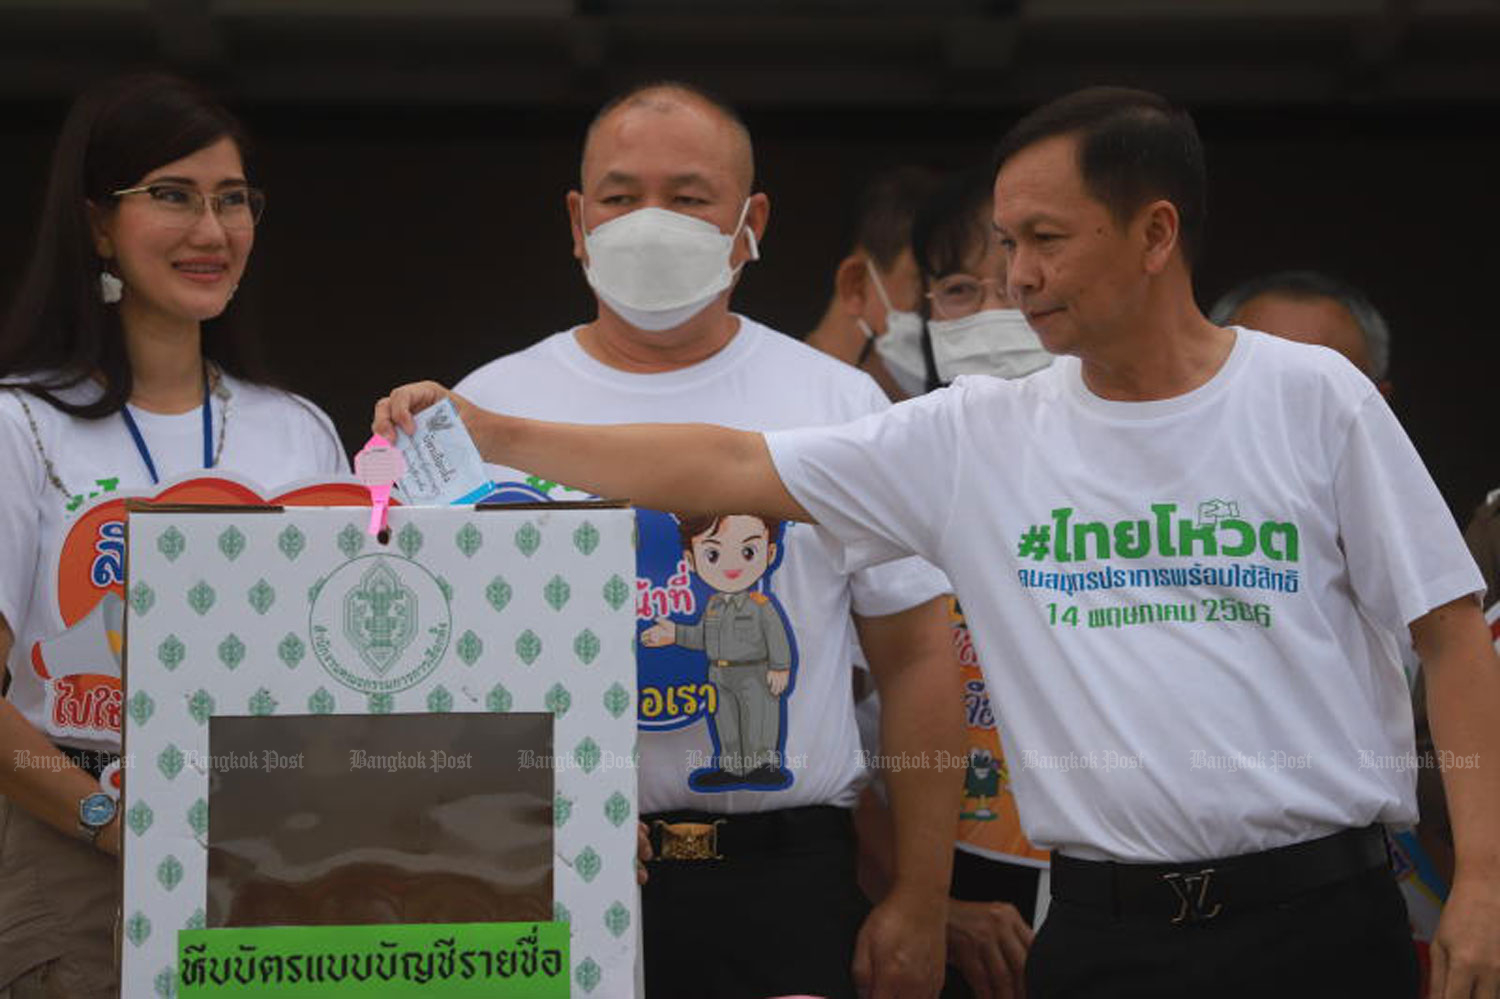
x=443, y=467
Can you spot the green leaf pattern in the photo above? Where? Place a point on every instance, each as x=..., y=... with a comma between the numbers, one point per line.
x=294, y=647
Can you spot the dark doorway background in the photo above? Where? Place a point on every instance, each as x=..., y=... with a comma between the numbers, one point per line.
x=423, y=235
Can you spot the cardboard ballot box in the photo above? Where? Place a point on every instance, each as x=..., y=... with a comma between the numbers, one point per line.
x=377, y=769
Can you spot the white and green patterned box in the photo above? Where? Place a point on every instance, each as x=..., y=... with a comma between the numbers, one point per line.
x=235, y=613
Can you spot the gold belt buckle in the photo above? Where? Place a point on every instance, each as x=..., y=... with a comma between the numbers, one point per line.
x=689, y=840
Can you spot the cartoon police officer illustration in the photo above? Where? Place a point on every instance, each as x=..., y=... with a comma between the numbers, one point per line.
x=744, y=636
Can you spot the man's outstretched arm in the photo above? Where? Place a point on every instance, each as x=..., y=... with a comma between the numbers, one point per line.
x=677, y=467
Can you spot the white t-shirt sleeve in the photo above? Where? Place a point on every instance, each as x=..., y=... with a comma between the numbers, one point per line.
x=882, y=485
x=20, y=520
x=328, y=448
x=1404, y=551
x=470, y=385
x=893, y=587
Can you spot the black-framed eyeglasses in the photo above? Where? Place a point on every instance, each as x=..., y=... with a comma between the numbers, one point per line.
x=181, y=206
x=960, y=295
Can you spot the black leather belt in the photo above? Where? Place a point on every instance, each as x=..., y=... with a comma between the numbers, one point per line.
x=707, y=836
x=90, y=761
x=1195, y=893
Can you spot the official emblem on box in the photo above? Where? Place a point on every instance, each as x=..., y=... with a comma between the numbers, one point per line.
x=369, y=613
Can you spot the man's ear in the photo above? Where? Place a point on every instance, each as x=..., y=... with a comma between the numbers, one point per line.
x=757, y=217
x=851, y=285
x=771, y=550
x=575, y=223
x=103, y=244
x=1160, y=230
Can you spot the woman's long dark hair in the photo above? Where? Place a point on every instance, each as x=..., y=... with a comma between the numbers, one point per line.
x=59, y=332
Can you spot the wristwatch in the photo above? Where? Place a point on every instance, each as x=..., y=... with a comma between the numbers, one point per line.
x=95, y=811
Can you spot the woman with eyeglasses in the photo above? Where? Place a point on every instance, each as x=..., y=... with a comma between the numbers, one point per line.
x=109, y=381
x=972, y=327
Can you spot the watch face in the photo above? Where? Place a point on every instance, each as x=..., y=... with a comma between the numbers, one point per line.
x=96, y=810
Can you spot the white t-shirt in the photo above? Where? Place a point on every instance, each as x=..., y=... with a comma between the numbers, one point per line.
x=270, y=438
x=761, y=380
x=1184, y=608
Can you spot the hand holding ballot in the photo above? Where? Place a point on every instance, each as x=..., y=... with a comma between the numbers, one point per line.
x=442, y=465
x=399, y=409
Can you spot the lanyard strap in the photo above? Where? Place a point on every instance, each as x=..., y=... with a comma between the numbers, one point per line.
x=145, y=452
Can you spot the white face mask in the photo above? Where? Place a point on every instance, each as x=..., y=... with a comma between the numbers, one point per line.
x=900, y=346
x=995, y=342
x=658, y=268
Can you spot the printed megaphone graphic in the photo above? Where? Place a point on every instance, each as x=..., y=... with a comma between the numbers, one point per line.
x=80, y=671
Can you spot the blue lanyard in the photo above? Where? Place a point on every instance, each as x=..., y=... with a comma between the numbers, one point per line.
x=140, y=442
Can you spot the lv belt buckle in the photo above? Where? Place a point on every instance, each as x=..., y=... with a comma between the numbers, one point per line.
x=689, y=840
x=1192, y=893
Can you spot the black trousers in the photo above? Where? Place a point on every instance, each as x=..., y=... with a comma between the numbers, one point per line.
x=778, y=916
x=1350, y=938
x=980, y=879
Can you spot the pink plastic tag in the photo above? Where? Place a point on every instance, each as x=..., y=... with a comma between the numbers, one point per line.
x=378, y=465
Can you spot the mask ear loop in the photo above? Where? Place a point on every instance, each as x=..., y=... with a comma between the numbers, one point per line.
x=879, y=286
x=864, y=352
x=864, y=327
x=754, y=243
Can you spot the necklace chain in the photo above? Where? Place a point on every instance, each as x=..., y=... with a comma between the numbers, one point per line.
x=217, y=389
x=36, y=438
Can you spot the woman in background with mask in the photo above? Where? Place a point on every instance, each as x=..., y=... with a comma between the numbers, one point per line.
x=971, y=327
x=109, y=382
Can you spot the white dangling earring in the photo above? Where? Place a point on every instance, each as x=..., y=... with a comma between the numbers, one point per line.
x=110, y=288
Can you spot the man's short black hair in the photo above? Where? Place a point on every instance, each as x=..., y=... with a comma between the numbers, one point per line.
x=1133, y=148
x=887, y=206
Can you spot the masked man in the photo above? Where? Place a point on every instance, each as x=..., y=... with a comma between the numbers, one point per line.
x=746, y=715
